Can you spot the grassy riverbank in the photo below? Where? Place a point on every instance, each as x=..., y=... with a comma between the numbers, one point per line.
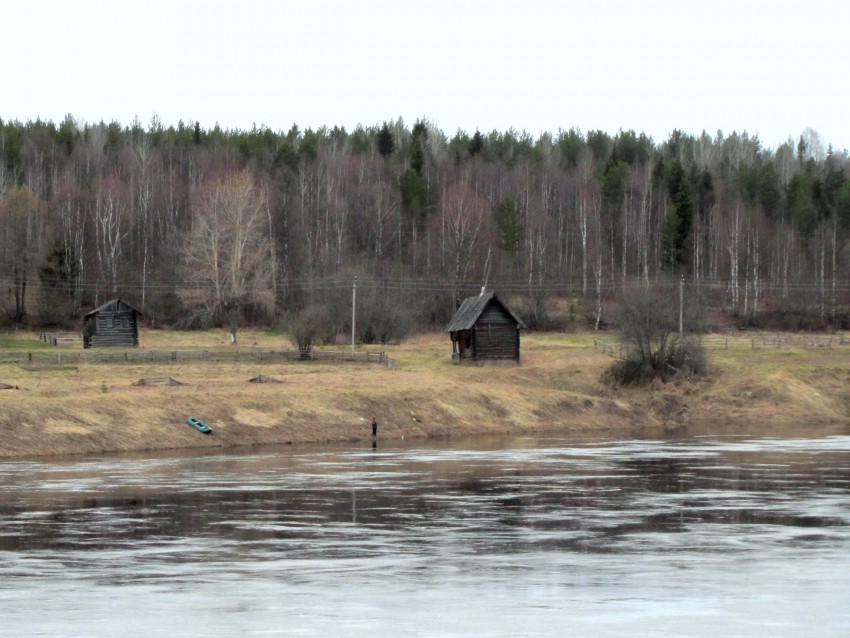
x=91, y=407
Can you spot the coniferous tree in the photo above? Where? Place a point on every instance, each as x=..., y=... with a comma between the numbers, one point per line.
x=385, y=141
x=414, y=195
x=801, y=203
x=419, y=138
x=509, y=224
x=705, y=192
x=677, y=224
x=570, y=144
x=413, y=184
x=476, y=144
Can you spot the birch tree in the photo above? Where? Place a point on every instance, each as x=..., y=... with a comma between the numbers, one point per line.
x=586, y=197
x=228, y=252
x=109, y=213
x=142, y=192
x=463, y=214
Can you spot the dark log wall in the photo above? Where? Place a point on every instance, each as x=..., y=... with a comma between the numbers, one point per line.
x=116, y=329
x=496, y=335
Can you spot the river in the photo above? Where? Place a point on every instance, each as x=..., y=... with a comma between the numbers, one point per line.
x=699, y=536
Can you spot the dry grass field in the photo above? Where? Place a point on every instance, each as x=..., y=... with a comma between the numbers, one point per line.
x=96, y=407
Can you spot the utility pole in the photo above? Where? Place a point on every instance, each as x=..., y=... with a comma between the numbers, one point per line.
x=353, y=310
x=681, y=305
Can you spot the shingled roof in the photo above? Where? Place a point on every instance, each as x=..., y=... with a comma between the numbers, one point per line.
x=111, y=306
x=471, y=309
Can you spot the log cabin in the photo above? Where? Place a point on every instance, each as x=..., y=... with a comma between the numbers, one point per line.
x=115, y=323
x=485, y=330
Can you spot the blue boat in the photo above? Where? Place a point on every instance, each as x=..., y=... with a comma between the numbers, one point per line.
x=199, y=425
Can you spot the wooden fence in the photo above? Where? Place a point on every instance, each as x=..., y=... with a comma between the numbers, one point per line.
x=71, y=357
x=744, y=341
x=388, y=362
x=61, y=338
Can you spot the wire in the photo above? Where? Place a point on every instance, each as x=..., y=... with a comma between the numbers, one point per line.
x=337, y=282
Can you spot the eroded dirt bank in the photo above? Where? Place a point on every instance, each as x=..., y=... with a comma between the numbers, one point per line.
x=97, y=408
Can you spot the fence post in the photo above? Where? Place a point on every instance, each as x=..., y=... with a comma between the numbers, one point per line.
x=754, y=344
x=727, y=343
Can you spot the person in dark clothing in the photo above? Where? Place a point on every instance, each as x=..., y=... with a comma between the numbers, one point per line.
x=374, y=427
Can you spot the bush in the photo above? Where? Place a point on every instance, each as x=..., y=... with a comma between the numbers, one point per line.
x=649, y=325
x=684, y=358
x=307, y=326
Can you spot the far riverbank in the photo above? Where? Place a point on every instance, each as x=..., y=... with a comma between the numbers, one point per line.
x=96, y=408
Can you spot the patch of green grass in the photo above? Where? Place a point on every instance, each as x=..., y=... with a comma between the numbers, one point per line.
x=11, y=341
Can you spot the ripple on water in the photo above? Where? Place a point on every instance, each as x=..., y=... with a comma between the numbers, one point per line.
x=699, y=537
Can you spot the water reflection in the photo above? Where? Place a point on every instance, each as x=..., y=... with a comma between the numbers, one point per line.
x=622, y=538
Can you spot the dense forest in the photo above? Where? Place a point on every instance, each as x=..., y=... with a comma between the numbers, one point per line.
x=202, y=226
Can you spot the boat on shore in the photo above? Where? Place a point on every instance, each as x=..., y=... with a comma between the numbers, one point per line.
x=199, y=425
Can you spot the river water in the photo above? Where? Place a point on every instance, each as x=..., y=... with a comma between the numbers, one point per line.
x=707, y=536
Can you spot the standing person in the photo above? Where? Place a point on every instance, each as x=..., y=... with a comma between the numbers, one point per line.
x=374, y=427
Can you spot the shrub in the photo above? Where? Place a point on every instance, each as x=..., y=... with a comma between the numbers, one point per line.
x=649, y=325
x=684, y=357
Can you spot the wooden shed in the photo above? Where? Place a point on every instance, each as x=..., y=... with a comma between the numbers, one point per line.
x=115, y=323
x=484, y=329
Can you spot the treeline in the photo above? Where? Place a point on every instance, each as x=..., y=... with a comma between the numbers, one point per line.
x=198, y=226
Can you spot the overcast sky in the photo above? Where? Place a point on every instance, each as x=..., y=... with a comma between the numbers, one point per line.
x=769, y=68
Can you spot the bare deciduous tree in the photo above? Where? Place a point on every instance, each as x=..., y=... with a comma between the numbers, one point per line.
x=19, y=221
x=228, y=253
x=461, y=222
x=109, y=214
x=307, y=326
x=649, y=326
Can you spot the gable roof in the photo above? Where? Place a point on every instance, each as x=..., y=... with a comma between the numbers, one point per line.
x=111, y=306
x=471, y=309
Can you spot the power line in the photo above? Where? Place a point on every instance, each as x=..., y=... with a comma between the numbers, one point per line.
x=551, y=285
